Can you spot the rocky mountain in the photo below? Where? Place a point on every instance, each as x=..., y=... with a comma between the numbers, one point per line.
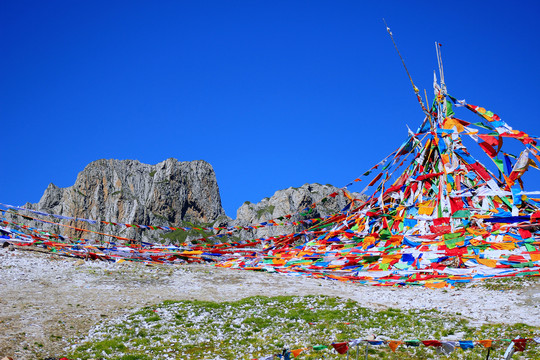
x=127, y=191
x=170, y=193
x=286, y=202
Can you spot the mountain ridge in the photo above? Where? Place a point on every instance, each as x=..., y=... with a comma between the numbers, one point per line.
x=170, y=193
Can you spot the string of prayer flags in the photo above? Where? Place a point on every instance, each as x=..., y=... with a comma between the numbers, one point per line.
x=443, y=347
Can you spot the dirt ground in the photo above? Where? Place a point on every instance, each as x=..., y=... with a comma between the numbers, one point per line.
x=48, y=302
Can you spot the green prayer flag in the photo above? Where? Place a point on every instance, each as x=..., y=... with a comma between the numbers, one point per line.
x=320, y=347
x=452, y=243
x=482, y=125
x=522, y=265
x=412, y=342
x=530, y=247
x=506, y=201
x=499, y=164
x=401, y=265
x=527, y=273
x=451, y=236
x=449, y=109
x=460, y=214
x=371, y=259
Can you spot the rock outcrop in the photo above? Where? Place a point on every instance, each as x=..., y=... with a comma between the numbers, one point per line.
x=289, y=201
x=127, y=191
x=170, y=193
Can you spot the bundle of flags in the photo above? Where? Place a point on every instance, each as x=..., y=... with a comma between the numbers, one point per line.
x=436, y=215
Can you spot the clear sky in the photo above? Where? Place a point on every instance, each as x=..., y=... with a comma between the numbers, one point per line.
x=271, y=93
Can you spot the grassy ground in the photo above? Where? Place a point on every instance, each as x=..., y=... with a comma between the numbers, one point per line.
x=258, y=326
x=510, y=283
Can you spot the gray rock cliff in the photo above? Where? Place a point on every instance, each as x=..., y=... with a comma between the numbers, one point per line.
x=285, y=202
x=127, y=191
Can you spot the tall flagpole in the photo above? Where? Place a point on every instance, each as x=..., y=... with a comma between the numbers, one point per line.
x=416, y=91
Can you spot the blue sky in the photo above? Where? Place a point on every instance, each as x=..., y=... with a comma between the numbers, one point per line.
x=273, y=94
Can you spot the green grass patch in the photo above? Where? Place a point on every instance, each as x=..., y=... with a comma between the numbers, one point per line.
x=259, y=326
x=266, y=210
x=510, y=283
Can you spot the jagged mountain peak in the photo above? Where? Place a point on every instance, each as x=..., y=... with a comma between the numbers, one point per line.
x=128, y=191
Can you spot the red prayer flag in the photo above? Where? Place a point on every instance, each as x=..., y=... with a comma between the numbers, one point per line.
x=491, y=140
x=456, y=204
x=525, y=234
x=431, y=343
x=520, y=344
x=428, y=176
x=375, y=179
x=480, y=170
x=488, y=149
x=341, y=348
x=441, y=221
